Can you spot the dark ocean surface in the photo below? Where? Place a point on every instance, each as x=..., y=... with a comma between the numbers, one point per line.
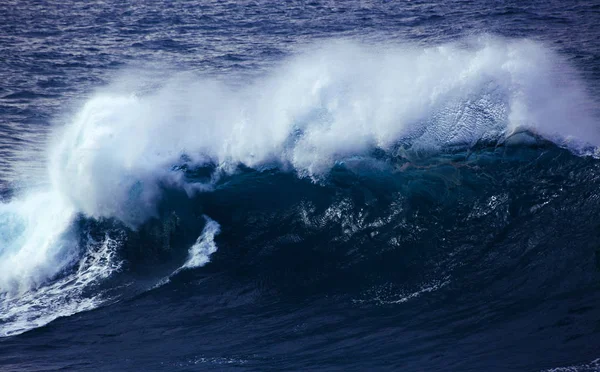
x=300, y=185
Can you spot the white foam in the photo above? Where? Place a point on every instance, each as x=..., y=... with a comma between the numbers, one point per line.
x=66, y=296
x=387, y=295
x=199, y=253
x=589, y=367
x=35, y=244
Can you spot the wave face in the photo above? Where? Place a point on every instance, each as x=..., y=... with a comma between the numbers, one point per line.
x=377, y=175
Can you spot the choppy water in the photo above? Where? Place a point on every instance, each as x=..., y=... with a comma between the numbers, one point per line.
x=258, y=185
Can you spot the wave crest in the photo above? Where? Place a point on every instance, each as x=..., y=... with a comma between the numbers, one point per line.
x=332, y=102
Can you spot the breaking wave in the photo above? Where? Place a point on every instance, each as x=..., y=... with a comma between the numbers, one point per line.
x=135, y=147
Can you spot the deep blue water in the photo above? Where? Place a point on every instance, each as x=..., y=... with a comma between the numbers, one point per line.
x=302, y=185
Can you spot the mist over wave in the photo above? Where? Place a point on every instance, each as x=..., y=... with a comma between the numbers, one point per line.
x=332, y=103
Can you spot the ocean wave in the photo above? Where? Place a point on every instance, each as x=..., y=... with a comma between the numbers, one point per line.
x=336, y=107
